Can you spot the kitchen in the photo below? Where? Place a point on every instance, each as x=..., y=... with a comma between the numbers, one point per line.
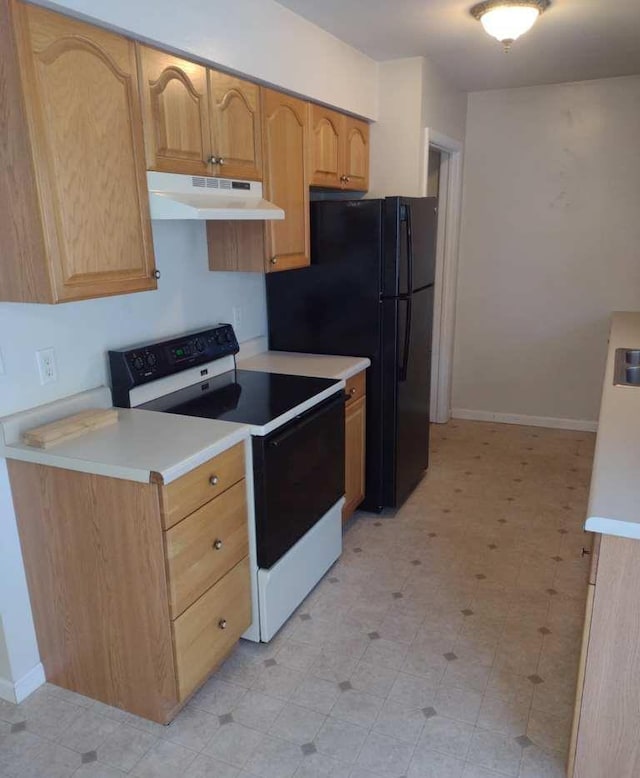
x=82, y=332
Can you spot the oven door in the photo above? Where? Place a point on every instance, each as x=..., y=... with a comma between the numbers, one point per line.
x=298, y=476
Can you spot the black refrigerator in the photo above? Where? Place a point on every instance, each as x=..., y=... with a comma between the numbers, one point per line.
x=369, y=292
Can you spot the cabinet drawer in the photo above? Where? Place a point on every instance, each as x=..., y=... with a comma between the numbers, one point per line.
x=356, y=387
x=201, y=642
x=205, y=546
x=188, y=493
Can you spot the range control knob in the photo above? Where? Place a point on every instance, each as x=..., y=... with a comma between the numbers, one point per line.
x=151, y=360
x=227, y=335
x=200, y=344
x=138, y=362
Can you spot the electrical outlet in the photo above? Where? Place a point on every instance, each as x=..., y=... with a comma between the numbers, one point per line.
x=46, y=360
x=1, y=364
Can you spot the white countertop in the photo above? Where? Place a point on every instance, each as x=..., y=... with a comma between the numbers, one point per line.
x=145, y=444
x=614, y=499
x=317, y=365
x=140, y=444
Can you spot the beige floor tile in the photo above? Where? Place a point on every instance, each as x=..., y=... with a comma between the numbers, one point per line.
x=447, y=736
x=297, y=724
x=340, y=739
x=400, y=722
x=494, y=751
x=206, y=767
x=385, y=755
x=192, y=728
x=432, y=764
x=357, y=707
x=125, y=747
x=234, y=743
x=164, y=760
x=275, y=758
x=257, y=710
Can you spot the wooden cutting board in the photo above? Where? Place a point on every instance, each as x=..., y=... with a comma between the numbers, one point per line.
x=70, y=427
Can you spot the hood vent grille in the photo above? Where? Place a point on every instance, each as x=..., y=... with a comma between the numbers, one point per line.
x=174, y=196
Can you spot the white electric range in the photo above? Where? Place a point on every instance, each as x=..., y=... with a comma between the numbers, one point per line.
x=297, y=453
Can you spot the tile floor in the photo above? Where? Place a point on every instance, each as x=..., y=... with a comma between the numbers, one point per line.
x=443, y=644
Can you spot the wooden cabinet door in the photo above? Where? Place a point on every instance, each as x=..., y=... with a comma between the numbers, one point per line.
x=326, y=147
x=355, y=138
x=175, y=104
x=235, y=126
x=285, y=140
x=355, y=433
x=83, y=111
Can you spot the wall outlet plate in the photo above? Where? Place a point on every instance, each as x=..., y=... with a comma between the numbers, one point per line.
x=1, y=364
x=46, y=360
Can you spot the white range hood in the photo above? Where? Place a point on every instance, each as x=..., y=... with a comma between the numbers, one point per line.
x=173, y=196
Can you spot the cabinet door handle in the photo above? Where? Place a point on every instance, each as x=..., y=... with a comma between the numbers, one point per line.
x=217, y=544
x=156, y=274
x=274, y=260
x=213, y=480
x=222, y=623
x=352, y=391
x=221, y=161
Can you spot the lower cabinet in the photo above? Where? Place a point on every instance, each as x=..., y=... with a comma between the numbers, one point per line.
x=607, y=714
x=127, y=610
x=355, y=444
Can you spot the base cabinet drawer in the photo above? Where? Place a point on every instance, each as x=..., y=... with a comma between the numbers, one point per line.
x=205, y=546
x=187, y=494
x=207, y=631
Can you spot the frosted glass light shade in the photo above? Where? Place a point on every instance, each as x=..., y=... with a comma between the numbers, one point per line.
x=508, y=22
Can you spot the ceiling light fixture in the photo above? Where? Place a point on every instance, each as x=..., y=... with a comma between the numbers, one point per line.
x=507, y=20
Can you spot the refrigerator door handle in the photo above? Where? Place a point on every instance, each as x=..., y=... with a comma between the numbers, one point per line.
x=409, y=250
x=402, y=372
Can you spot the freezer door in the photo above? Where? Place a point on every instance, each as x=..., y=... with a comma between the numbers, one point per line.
x=421, y=215
x=413, y=391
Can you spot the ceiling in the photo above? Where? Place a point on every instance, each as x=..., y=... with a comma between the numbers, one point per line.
x=574, y=40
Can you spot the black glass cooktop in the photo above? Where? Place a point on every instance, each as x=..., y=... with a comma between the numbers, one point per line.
x=243, y=396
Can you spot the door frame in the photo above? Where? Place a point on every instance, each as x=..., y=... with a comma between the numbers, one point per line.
x=445, y=292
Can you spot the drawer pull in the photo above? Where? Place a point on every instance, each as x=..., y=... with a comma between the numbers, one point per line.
x=217, y=544
x=213, y=480
x=353, y=391
x=222, y=623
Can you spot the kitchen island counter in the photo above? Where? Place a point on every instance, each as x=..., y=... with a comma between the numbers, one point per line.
x=614, y=501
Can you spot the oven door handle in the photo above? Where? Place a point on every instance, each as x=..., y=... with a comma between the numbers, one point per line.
x=299, y=423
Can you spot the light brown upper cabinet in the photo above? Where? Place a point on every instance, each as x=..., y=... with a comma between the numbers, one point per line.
x=236, y=126
x=285, y=151
x=74, y=211
x=339, y=150
x=199, y=121
x=356, y=154
x=176, y=113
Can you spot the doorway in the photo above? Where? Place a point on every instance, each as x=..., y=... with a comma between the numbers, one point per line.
x=443, y=178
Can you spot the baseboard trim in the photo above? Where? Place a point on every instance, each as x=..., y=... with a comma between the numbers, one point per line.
x=16, y=692
x=579, y=425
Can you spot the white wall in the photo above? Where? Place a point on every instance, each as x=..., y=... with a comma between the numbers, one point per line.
x=413, y=95
x=397, y=137
x=444, y=107
x=550, y=245
x=257, y=38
